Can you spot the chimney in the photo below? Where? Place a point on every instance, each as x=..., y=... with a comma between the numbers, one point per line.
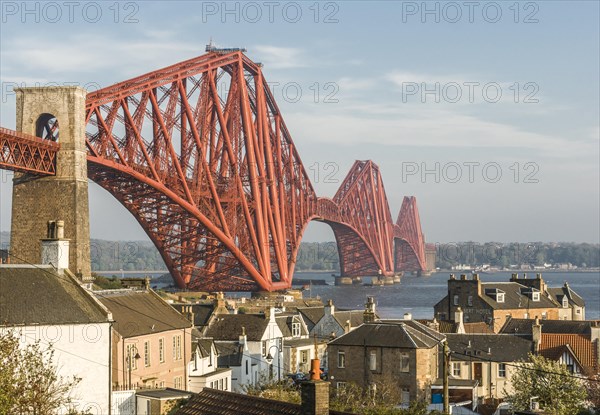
x=407, y=316
x=190, y=313
x=147, y=283
x=347, y=326
x=536, y=334
x=434, y=325
x=55, y=249
x=315, y=393
x=369, y=314
x=243, y=338
x=458, y=319
x=329, y=308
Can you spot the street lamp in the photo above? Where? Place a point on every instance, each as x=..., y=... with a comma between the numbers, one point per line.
x=269, y=359
x=130, y=360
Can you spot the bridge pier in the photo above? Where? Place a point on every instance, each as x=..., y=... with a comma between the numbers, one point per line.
x=37, y=200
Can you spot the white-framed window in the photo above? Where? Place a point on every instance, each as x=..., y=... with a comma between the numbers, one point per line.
x=161, y=350
x=147, y=353
x=373, y=360
x=470, y=301
x=501, y=370
x=131, y=352
x=340, y=385
x=304, y=356
x=178, y=381
x=404, y=363
x=341, y=359
x=177, y=347
x=295, y=329
x=264, y=347
x=544, y=315
x=221, y=384
x=500, y=297
x=578, y=311
x=535, y=296
x=456, y=369
x=456, y=300
x=565, y=302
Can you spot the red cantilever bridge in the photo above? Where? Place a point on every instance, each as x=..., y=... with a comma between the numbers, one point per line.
x=214, y=178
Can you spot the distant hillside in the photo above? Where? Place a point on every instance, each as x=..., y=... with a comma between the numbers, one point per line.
x=323, y=256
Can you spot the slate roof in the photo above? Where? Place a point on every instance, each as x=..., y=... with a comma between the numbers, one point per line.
x=513, y=297
x=167, y=393
x=229, y=326
x=202, y=312
x=229, y=354
x=285, y=321
x=312, y=315
x=522, y=327
x=445, y=326
x=494, y=347
x=477, y=327
x=356, y=317
x=39, y=295
x=581, y=345
x=558, y=292
x=216, y=402
x=140, y=312
x=204, y=346
x=408, y=334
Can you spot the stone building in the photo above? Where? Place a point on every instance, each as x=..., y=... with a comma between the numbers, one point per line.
x=400, y=353
x=151, y=344
x=328, y=322
x=495, y=302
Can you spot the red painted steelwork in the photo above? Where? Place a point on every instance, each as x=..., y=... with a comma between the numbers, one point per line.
x=28, y=154
x=410, y=242
x=199, y=153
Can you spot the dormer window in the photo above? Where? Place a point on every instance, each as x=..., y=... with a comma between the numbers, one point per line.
x=295, y=329
x=535, y=296
x=565, y=302
x=500, y=297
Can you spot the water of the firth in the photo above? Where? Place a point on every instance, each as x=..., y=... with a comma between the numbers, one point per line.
x=418, y=295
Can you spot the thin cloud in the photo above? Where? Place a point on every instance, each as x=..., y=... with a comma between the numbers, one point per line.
x=275, y=57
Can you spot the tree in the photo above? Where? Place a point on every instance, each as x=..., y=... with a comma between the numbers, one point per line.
x=557, y=390
x=29, y=380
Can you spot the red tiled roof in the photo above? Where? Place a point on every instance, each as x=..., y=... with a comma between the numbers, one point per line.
x=553, y=345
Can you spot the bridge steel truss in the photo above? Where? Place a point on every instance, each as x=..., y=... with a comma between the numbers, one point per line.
x=199, y=153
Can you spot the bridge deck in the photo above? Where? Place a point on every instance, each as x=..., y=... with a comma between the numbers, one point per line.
x=26, y=153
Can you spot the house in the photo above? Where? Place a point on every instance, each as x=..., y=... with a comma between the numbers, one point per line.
x=494, y=302
x=403, y=353
x=47, y=303
x=151, y=344
x=572, y=306
x=250, y=344
x=575, y=344
x=327, y=322
x=488, y=359
x=203, y=370
x=298, y=347
x=314, y=401
x=202, y=313
x=158, y=401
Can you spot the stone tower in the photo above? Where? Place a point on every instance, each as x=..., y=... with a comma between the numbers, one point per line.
x=37, y=200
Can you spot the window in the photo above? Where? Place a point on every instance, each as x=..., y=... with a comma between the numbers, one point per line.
x=177, y=347
x=226, y=386
x=373, y=360
x=221, y=384
x=161, y=350
x=544, y=315
x=404, y=363
x=470, y=301
x=295, y=329
x=578, y=311
x=246, y=367
x=264, y=347
x=178, y=382
x=341, y=385
x=500, y=297
x=147, y=353
x=456, y=300
x=341, y=360
x=131, y=352
x=501, y=370
x=456, y=369
x=535, y=296
x=405, y=397
x=304, y=356
x=565, y=302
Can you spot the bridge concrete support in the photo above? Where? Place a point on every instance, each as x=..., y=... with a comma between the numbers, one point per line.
x=37, y=200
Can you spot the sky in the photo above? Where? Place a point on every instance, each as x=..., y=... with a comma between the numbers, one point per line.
x=487, y=112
